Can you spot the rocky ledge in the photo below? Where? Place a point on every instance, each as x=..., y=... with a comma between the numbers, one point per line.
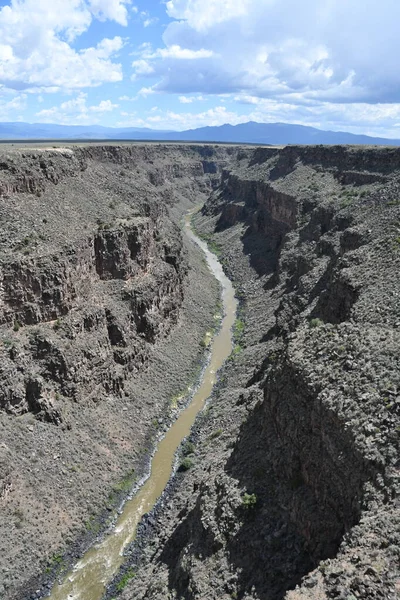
x=294, y=487
x=103, y=310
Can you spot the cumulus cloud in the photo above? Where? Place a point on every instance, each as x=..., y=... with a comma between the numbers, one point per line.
x=104, y=106
x=202, y=14
x=10, y=107
x=334, y=51
x=147, y=20
x=176, y=52
x=115, y=10
x=180, y=121
x=75, y=111
x=148, y=64
x=190, y=99
x=142, y=67
x=36, y=44
x=146, y=91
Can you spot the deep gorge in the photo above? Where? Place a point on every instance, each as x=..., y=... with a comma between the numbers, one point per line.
x=305, y=417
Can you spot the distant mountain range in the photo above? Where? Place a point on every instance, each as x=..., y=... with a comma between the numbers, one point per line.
x=246, y=133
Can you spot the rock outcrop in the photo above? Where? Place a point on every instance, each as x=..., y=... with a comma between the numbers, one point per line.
x=293, y=489
x=101, y=325
x=293, y=494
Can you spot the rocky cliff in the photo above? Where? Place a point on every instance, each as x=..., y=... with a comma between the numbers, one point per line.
x=294, y=489
x=100, y=328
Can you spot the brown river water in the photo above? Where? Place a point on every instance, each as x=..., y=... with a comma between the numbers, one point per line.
x=89, y=577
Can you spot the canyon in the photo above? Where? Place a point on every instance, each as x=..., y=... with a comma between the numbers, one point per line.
x=105, y=305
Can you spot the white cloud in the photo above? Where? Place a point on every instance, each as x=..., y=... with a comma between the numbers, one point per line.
x=142, y=67
x=377, y=120
x=146, y=91
x=115, y=10
x=147, y=65
x=75, y=111
x=147, y=19
x=36, y=50
x=181, y=121
x=8, y=107
x=371, y=119
x=200, y=14
x=190, y=99
x=175, y=51
x=104, y=106
x=150, y=21
x=336, y=51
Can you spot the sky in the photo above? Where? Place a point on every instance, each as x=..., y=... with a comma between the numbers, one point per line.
x=182, y=64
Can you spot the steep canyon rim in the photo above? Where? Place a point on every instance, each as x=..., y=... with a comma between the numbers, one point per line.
x=306, y=414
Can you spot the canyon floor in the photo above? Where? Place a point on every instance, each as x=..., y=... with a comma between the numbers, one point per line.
x=293, y=487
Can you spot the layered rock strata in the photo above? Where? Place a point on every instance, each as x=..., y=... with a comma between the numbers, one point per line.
x=294, y=490
x=103, y=310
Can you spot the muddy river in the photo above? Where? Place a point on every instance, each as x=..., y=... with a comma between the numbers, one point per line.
x=89, y=577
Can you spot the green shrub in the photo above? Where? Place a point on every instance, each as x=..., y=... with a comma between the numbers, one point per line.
x=315, y=323
x=125, y=579
x=17, y=325
x=249, y=501
x=186, y=464
x=238, y=328
x=126, y=484
x=215, y=434
x=188, y=448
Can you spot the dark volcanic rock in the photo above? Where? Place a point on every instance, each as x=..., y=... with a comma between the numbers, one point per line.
x=306, y=416
x=103, y=308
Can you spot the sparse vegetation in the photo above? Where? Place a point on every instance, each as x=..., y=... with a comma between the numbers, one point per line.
x=186, y=464
x=188, y=448
x=238, y=329
x=215, y=434
x=313, y=323
x=56, y=563
x=213, y=246
x=126, y=484
x=93, y=525
x=125, y=579
x=249, y=501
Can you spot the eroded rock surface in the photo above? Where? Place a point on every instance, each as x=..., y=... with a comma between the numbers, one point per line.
x=294, y=489
x=103, y=310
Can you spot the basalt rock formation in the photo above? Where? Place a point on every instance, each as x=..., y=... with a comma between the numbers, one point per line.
x=103, y=308
x=101, y=325
x=294, y=489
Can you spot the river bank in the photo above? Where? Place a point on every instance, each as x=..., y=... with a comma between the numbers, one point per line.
x=89, y=578
x=294, y=491
x=56, y=479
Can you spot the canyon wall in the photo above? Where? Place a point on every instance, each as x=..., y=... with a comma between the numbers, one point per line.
x=103, y=310
x=295, y=478
x=101, y=327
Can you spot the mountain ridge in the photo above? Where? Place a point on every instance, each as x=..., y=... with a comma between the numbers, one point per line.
x=249, y=133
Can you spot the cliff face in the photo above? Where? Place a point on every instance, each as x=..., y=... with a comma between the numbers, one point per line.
x=100, y=326
x=116, y=287
x=103, y=308
x=307, y=415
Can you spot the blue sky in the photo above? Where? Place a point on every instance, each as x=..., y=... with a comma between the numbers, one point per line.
x=181, y=64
